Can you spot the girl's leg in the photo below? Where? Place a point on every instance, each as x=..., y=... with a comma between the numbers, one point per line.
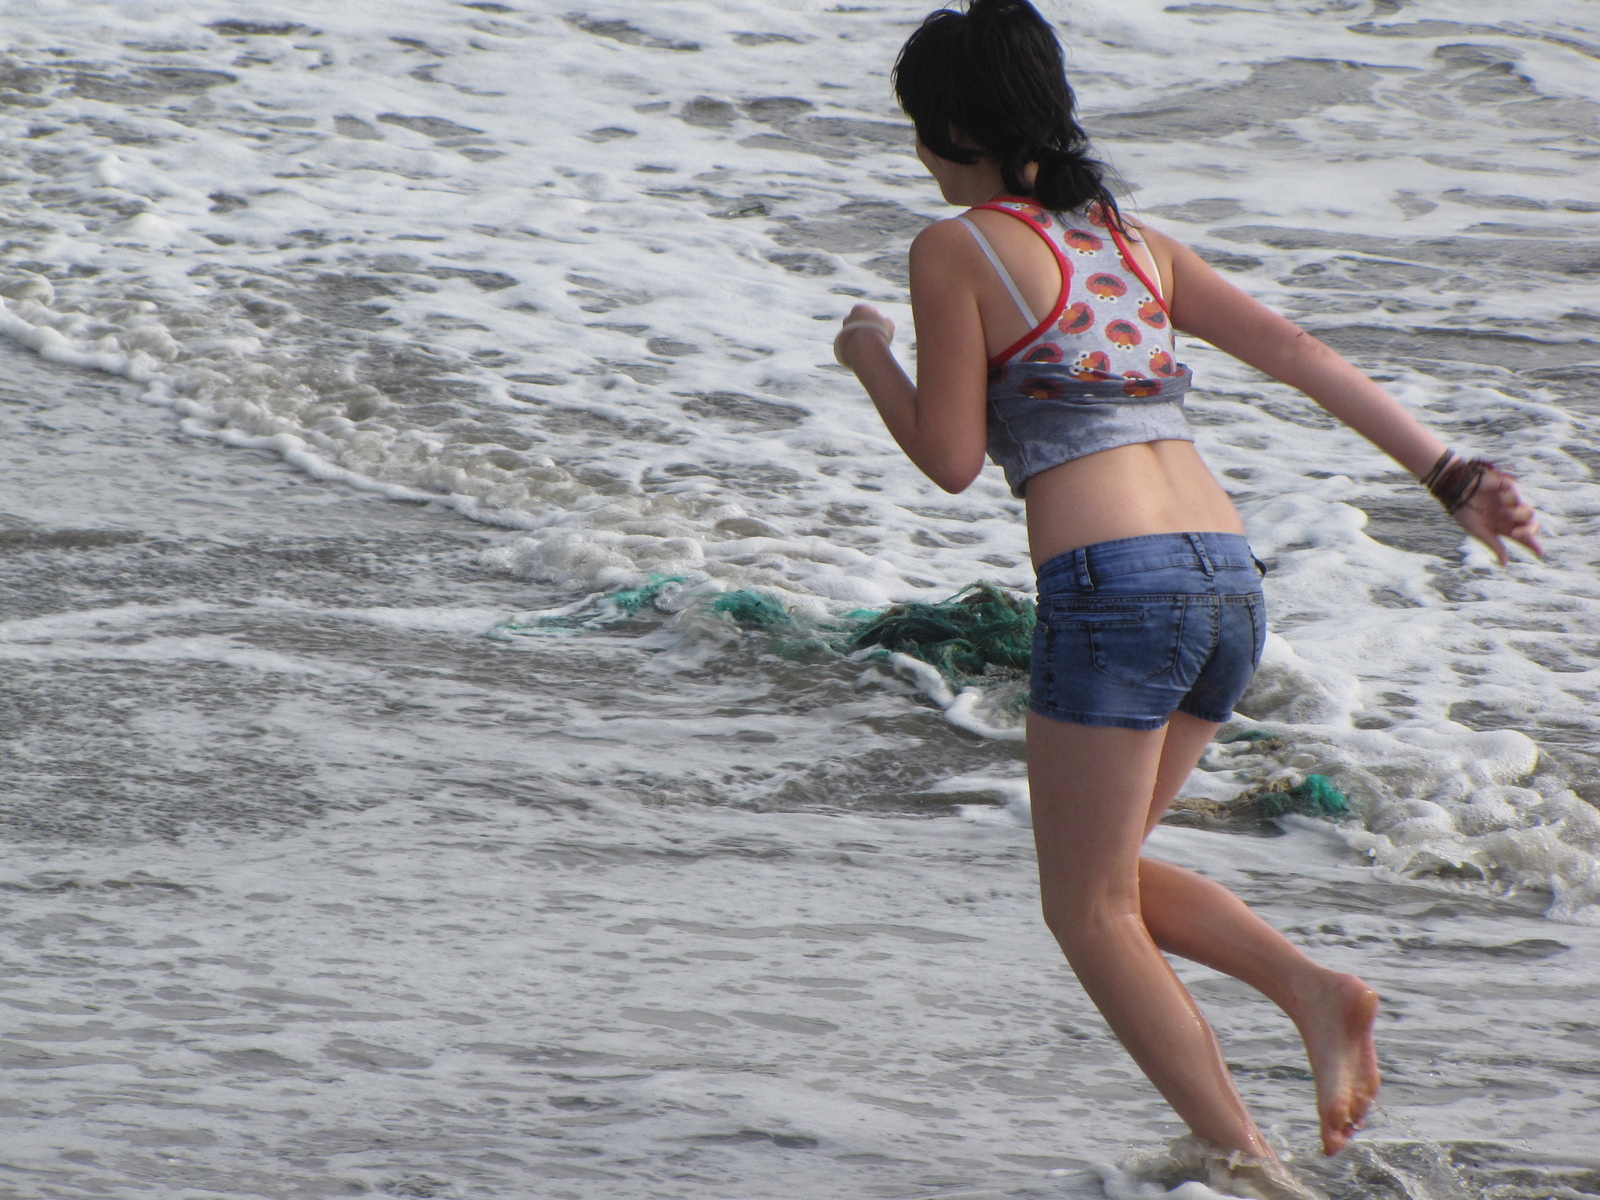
x=1199, y=919
x=1091, y=789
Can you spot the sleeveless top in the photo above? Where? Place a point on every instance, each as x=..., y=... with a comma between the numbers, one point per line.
x=1098, y=371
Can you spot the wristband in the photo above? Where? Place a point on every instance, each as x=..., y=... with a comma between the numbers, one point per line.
x=1454, y=480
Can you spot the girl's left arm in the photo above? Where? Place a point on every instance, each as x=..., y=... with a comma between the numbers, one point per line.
x=1208, y=306
x=941, y=420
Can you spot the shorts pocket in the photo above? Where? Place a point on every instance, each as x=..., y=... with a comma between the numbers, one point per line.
x=1130, y=643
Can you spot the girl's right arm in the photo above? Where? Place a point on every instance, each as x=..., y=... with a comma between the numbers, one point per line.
x=941, y=420
x=1208, y=306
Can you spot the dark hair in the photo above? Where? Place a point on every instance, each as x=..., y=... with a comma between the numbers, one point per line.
x=993, y=76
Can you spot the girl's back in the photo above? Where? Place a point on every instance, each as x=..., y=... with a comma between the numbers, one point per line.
x=1159, y=486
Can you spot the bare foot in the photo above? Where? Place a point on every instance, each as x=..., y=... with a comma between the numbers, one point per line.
x=1336, y=1025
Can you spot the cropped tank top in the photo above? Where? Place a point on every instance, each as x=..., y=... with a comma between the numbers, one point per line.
x=1098, y=371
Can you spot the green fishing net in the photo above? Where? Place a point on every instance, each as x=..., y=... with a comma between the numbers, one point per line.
x=751, y=610
x=966, y=636
x=1316, y=797
x=979, y=632
x=593, y=613
x=1247, y=735
x=983, y=636
x=631, y=600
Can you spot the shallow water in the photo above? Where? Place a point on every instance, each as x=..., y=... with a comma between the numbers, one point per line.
x=313, y=888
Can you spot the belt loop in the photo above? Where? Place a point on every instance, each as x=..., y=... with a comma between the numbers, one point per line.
x=1200, y=553
x=1080, y=561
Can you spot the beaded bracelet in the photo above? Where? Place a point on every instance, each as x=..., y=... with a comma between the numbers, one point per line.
x=1454, y=480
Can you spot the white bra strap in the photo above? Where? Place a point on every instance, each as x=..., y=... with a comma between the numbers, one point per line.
x=1000, y=269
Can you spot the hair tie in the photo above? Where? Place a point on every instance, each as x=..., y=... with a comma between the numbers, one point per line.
x=859, y=323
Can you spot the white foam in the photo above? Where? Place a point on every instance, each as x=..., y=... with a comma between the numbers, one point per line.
x=1210, y=1172
x=251, y=251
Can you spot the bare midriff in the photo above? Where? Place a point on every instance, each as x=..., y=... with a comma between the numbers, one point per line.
x=1127, y=491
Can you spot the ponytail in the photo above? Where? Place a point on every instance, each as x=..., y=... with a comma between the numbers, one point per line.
x=991, y=80
x=1070, y=179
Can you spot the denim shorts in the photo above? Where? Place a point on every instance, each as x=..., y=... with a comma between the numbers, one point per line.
x=1133, y=630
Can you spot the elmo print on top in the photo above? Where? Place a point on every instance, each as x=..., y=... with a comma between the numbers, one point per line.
x=1109, y=323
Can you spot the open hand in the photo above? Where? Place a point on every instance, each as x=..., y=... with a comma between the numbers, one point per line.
x=862, y=317
x=1497, y=510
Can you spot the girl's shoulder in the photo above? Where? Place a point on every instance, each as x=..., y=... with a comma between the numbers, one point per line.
x=941, y=259
x=952, y=237
x=941, y=236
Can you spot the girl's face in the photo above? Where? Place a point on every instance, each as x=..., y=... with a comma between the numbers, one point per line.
x=961, y=183
x=932, y=161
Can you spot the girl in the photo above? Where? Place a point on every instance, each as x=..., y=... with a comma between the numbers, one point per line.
x=1044, y=322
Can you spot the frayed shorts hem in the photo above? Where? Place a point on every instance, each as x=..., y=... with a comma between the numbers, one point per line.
x=1099, y=719
x=1106, y=720
x=1205, y=716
